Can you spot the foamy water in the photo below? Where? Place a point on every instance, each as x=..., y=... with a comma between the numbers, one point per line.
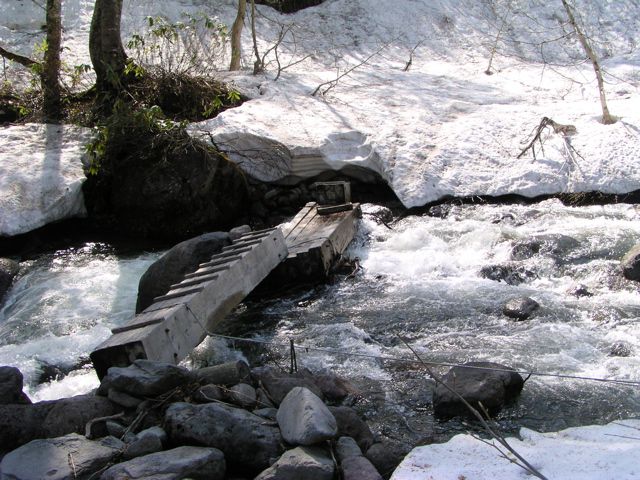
x=419, y=282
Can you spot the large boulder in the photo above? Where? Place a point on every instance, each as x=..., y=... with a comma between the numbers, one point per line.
x=164, y=186
x=487, y=383
x=308, y=463
x=304, y=419
x=630, y=264
x=178, y=261
x=387, y=455
x=63, y=458
x=146, y=378
x=359, y=468
x=20, y=424
x=11, y=386
x=8, y=271
x=198, y=463
x=246, y=439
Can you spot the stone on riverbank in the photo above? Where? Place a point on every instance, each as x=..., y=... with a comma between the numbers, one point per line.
x=11, y=386
x=304, y=419
x=246, y=440
x=308, y=463
x=61, y=458
x=198, y=463
x=278, y=384
x=20, y=424
x=350, y=424
x=146, y=378
x=480, y=384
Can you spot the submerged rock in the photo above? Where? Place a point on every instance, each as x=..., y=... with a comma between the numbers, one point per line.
x=304, y=419
x=620, y=349
x=511, y=274
x=520, y=308
x=246, y=440
x=8, y=271
x=62, y=458
x=183, y=462
x=178, y=261
x=630, y=264
x=491, y=388
x=308, y=463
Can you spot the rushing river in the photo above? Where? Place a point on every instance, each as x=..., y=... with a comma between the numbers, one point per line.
x=419, y=281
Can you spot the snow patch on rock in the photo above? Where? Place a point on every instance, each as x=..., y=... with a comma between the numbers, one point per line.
x=40, y=175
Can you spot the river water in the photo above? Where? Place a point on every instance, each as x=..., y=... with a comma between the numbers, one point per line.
x=420, y=281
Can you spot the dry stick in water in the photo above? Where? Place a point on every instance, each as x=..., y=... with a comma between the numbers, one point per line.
x=520, y=460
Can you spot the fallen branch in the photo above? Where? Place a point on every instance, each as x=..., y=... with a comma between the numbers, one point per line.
x=14, y=57
x=546, y=122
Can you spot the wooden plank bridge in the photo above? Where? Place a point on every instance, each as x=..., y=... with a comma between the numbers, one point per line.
x=179, y=320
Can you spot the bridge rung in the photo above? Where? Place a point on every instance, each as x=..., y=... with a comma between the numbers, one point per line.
x=180, y=292
x=242, y=243
x=230, y=253
x=195, y=280
x=215, y=263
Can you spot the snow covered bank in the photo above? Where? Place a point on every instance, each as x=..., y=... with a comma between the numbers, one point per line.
x=582, y=453
x=40, y=175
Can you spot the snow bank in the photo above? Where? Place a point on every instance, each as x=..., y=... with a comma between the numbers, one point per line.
x=581, y=453
x=40, y=175
x=443, y=127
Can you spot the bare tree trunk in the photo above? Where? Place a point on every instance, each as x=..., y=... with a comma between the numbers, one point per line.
x=258, y=65
x=236, y=36
x=105, y=46
x=50, y=75
x=607, y=118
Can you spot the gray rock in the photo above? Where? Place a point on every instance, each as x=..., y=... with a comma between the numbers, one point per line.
x=183, y=258
x=351, y=425
x=308, y=463
x=198, y=463
x=492, y=388
x=387, y=455
x=242, y=395
x=62, y=458
x=304, y=419
x=558, y=247
x=242, y=436
x=20, y=424
x=347, y=447
x=630, y=264
x=579, y=290
x=332, y=387
x=8, y=271
x=262, y=399
x=208, y=393
x=11, y=386
x=236, y=233
x=267, y=413
x=146, y=442
x=278, y=384
x=123, y=399
x=226, y=374
x=146, y=378
x=359, y=468
x=115, y=429
x=520, y=308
